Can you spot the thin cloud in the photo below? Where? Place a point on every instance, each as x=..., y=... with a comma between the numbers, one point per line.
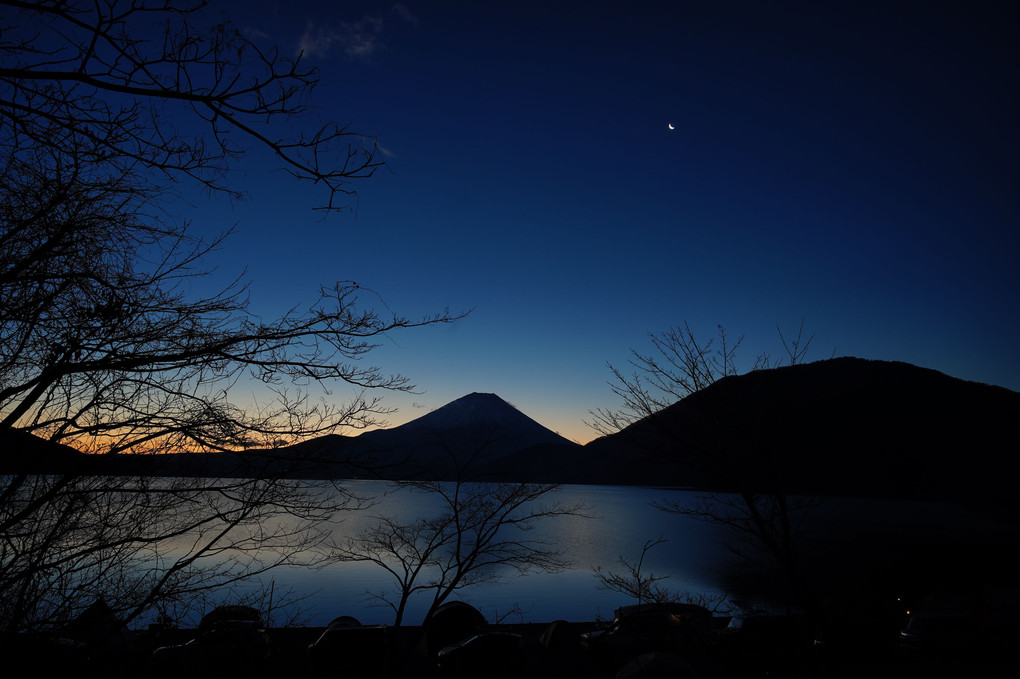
x=357, y=40
x=404, y=14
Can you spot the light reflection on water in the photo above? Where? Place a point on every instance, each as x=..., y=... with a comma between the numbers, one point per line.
x=619, y=521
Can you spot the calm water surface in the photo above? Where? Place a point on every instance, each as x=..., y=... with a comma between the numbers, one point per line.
x=621, y=519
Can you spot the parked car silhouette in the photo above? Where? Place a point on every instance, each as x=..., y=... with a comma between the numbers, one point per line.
x=636, y=630
x=948, y=621
x=764, y=640
x=940, y=633
x=482, y=653
x=362, y=650
x=228, y=636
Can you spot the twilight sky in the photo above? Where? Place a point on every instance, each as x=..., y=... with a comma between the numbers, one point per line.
x=852, y=166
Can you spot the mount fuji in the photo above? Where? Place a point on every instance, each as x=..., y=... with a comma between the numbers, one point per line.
x=473, y=435
x=482, y=411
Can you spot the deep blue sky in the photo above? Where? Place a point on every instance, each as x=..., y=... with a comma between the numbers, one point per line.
x=852, y=166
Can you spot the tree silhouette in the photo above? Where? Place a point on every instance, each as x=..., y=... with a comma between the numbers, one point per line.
x=105, y=108
x=479, y=531
x=631, y=579
x=761, y=515
x=164, y=89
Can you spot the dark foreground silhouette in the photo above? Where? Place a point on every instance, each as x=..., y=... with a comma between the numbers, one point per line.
x=676, y=641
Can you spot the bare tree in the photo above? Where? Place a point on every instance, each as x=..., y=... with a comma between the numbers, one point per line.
x=649, y=588
x=769, y=528
x=681, y=365
x=764, y=517
x=478, y=533
x=104, y=108
x=151, y=546
x=100, y=340
x=166, y=89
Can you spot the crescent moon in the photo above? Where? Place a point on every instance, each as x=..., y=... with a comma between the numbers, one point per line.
x=671, y=126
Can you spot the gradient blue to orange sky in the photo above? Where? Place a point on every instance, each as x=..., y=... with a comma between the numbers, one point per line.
x=850, y=164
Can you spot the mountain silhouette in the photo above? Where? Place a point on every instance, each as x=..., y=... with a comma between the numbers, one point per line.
x=24, y=453
x=475, y=434
x=841, y=427
x=845, y=426
x=482, y=413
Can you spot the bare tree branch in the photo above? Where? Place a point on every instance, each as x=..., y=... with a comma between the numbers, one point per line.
x=766, y=523
x=644, y=587
x=116, y=76
x=480, y=531
x=105, y=108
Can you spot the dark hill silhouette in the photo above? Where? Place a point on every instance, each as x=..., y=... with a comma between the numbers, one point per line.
x=845, y=426
x=23, y=453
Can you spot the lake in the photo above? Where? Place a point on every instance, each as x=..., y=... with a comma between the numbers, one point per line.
x=696, y=555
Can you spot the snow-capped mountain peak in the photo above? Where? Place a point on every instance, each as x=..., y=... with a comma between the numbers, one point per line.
x=475, y=408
